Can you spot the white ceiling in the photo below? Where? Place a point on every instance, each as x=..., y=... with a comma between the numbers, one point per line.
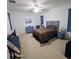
x=26, y=5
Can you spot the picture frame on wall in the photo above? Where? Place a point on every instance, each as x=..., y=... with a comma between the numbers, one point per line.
x=27, y=21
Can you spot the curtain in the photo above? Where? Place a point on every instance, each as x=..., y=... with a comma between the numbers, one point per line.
x=42, y=20
x=10, y=21
x=69, y=21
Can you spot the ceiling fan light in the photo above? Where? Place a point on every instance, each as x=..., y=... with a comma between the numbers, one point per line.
x=37, y=10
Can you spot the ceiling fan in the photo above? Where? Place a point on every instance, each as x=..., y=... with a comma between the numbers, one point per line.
x=36, y=7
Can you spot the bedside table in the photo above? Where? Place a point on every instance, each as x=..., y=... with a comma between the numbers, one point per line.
x=61, y=35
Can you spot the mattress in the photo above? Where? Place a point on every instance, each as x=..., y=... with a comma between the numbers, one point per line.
x=44, y=34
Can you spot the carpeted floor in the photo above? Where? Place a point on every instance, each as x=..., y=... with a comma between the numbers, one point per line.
x=32, y=49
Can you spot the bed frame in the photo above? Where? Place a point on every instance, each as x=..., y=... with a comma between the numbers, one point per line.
x=48, y=34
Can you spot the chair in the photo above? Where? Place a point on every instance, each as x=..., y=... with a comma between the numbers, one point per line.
x=13, y=53
x=13, y=50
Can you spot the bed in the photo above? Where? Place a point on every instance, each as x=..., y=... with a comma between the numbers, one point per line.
x=44, y=34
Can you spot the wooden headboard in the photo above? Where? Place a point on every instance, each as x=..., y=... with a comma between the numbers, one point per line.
x=53, y=23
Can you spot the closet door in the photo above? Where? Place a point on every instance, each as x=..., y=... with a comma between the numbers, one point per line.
x=69, y=21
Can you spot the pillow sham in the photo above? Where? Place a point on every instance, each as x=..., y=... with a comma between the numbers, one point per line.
x=53, y=27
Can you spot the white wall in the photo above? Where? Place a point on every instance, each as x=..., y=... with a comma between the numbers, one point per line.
x=18, y=19
x=59, y=13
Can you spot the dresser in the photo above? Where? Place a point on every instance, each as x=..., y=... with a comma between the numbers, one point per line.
x=29, y=29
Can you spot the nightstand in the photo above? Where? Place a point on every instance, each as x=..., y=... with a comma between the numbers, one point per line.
x=61, y=35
